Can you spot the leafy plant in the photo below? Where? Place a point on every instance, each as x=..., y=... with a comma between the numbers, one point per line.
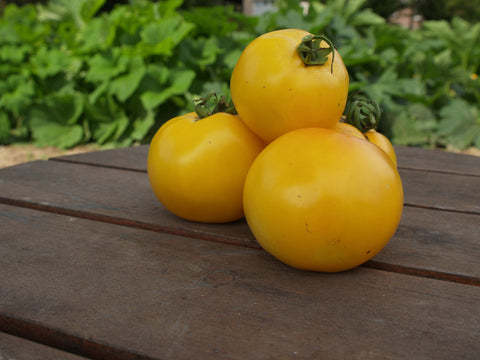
x=421, y=78
x=70, y=73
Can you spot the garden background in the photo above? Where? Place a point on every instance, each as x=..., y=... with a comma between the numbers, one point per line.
x=89, y=74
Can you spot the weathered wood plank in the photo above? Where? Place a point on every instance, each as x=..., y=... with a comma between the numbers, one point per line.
x=131, y=158
x=441, y=191
x=135, y=158
x=425, y=189
x=104, y=194
x=435, y=241
x=433, y=188
x=133, y=293
x=437, y=160
x=426, y=239
x=15, y=348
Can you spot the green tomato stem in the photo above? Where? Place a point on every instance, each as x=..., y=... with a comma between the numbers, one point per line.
x=202, y=107
x=312, y=54
x=362, y=112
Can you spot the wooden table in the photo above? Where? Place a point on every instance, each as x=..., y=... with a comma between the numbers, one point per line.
x=93, y=266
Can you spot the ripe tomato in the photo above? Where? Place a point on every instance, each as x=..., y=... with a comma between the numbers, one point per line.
x=383, y=143
x=349, y=129
x=197, y=167
x=317, y=199
x=275, y=92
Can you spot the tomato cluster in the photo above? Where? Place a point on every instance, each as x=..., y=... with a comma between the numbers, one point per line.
x=319, y=191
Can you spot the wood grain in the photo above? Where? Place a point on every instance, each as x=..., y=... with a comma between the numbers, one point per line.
x=135, y=158
x=450, y=192
x=437, y=161
x=107, y=195
x=435, y=241
x=131, y=158
x=102, y=290
x=441, y=191
x=428, y=240
x=431, y=178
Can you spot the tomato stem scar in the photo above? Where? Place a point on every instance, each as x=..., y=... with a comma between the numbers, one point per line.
x=312, y=54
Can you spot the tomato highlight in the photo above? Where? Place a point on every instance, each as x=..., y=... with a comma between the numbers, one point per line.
x=317, y=184
x=197, y=166
x=320, y=200
x=275, y=91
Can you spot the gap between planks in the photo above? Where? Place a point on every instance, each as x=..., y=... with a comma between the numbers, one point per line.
x=448, y=172
x=123, y=168
x=60, y=340
x=126, y=168
x=373, y=264
x=406, y=203
x=438, y=208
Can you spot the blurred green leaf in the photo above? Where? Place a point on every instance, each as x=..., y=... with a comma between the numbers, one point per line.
x=99, y=34
x=49, y=62
x=414, y=125
x=8, y=35
x=388, y=85
x=55, y=121
x=14, y=53
x=48, y=133
x=155, y=92
x=460, y=36
x=292, y=20
x=159, y=38
x=212, y=20
x=19, y=24
x=142, y=125
x=79, y=11
x=4, y=128
x=167, y=8
x=16, y=93
x=107, y=65
x=125, y=85
x=199, y=52
x=459, y=124
x=107, y=120
x=367, y=18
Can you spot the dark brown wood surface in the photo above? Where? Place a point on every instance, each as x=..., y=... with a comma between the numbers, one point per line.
x=135, y=158
x=429, y=180
x=16, y=348
x=437, y=161
x=91, y=264
x=165, y=296
x=124, y=197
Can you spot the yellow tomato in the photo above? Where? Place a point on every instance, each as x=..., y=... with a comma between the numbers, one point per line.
x=197, y=167
x=349, y=129
x=275, y=92
x=317, y=199
x=383, y=143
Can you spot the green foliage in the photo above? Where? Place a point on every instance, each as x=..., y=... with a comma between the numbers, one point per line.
x=425, y=80
x=71, y=74
x=448, y=9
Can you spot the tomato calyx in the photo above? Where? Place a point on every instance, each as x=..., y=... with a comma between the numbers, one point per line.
x=312, y=54
x=203, y=105
x=362, y=112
